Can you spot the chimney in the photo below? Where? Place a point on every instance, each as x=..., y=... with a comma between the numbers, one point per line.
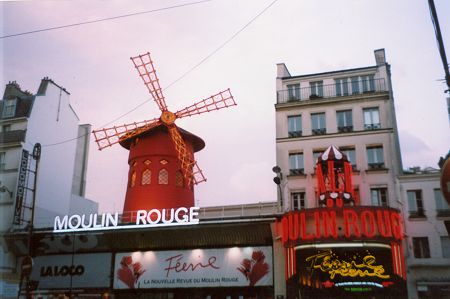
x=380, y=57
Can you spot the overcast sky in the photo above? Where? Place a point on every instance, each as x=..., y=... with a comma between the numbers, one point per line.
x=92, y=62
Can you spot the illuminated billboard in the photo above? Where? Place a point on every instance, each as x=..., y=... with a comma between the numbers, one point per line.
x=353, y=268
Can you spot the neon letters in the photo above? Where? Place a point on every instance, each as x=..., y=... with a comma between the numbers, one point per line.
x=151, y=218
x=327, y=262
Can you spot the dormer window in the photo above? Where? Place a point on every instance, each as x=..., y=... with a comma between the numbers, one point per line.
x=9, y=108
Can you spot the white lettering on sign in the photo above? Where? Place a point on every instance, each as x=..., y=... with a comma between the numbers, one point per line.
x=144, y=218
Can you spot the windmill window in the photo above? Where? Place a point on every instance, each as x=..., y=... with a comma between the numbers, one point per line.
x=146, y=177
x=179, y=179
x=133, y=179
x=163, y=177
x=163, y=162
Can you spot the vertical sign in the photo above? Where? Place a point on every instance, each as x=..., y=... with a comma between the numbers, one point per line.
x=21, y=187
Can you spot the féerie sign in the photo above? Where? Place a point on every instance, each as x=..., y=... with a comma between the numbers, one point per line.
x=144, y=218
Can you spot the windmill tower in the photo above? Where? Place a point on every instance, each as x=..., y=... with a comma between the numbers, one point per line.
x=161, y=159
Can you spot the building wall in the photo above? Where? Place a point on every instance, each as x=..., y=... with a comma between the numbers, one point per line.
x=81, y=159
x=425, y=272
x=49, y=119
x=360, y=138
x=427, y=276
x=53, y=120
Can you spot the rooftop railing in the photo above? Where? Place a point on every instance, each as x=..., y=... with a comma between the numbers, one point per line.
x=339, y=89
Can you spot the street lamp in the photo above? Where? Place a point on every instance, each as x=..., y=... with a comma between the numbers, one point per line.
x=277, y=180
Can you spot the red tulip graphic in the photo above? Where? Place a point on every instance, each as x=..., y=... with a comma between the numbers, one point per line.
x=129, y=272
x=254, y=269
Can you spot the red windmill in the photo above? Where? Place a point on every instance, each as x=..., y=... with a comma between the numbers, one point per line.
x=159, y=146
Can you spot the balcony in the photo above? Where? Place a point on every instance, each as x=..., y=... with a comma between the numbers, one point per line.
x=372, y=126
x=298, y=171
x=294, y=134
x=417, y=214
x=442, y=213
x=12, y=136
x=374, y=166
x=322, y=131
x=329, y=91
x=345, y=129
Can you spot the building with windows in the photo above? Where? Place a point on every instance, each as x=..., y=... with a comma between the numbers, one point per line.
x=46, y=118
x=428, y=241
x=350, y=109
x=354, y=110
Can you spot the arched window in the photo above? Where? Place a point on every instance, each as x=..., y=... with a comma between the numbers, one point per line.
x=179, y=179
x=163, y=177
x=146, y=177
x=133, y=179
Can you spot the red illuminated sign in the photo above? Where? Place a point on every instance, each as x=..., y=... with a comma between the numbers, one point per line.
x=352, y=222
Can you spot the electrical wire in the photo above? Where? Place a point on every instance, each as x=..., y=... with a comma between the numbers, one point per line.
x=180, y=77
x=104, y=19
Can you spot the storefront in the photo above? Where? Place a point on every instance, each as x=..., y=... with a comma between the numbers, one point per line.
x=210, y=260
x=352, y=251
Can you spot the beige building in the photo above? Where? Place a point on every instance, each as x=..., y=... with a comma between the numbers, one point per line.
x=350, y=109
x=354, y=110
x=428, y=257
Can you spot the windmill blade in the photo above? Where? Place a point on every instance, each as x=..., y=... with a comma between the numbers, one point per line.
x=109, y=136
x=144, y=65
x=191, y=172
x=223, y=99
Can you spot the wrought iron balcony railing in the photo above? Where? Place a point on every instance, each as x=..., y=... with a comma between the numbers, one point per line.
x=331, y=90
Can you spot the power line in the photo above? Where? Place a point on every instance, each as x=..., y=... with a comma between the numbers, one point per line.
x=104, y=19
x=182, y=76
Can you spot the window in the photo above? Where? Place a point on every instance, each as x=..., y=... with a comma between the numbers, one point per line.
x=318, y=123
x=2, y=161
x=293, y=92
x=344, y=121
x=442, y=207
x=296, y=164
x=371, y=118
x=415, y=203
x=179, y=179
x=341, y=87
x=445, y=244
x=146, y=177
x=9, y=108
x=351, y=155
x=295, y=126
x=316, y=154
x=316, y=89
x=133, y=179
x=379, y=197
x=368, y=83
x=298, y=200
x=355, y=85
x=375, y=157
x=421, y=247
x=163, y=177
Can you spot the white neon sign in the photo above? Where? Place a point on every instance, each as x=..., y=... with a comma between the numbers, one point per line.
x=144, y=218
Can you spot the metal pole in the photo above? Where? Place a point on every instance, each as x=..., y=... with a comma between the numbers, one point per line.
x=437, y=29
